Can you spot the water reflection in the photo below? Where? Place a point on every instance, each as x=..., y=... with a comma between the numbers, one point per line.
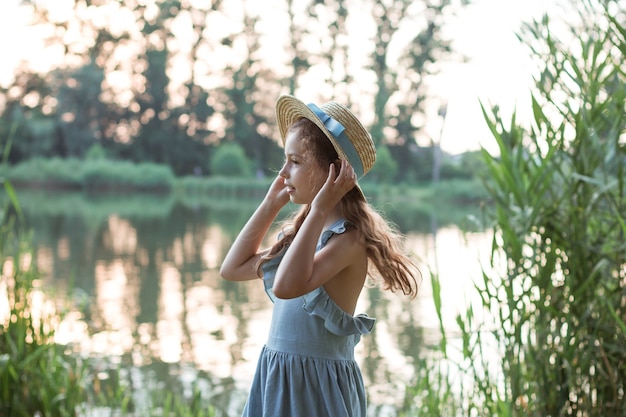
x=149, y=268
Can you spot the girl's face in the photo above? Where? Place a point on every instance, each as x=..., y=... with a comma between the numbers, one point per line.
x=302, y=174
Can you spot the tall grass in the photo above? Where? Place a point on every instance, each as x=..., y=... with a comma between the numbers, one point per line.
x=554, y=292
x=38, y=376
x=41, y=377
x=560, y=192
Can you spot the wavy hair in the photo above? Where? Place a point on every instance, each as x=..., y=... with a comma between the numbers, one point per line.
x=382, y=239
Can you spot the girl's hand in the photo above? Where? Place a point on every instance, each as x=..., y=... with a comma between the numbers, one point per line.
x=277, y=193
x=336, y=185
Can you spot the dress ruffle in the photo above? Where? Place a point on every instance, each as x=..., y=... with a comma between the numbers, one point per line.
x=317, y=302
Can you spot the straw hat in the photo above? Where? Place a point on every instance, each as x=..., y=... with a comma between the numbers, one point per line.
x=348, y=136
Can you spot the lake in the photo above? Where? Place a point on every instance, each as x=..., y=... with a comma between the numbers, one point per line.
x=142, y=275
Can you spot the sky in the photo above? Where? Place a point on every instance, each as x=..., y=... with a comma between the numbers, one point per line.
x=499, y=70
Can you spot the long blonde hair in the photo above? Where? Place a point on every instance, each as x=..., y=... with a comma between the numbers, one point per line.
x=382, y=239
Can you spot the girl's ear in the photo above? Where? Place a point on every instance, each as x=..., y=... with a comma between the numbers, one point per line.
x=337, y=164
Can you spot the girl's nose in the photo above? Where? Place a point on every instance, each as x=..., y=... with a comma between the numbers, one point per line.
x=283, y=171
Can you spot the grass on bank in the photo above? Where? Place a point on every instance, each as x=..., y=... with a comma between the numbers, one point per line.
x=89, y=175
x=123, y=176
x=38, y=376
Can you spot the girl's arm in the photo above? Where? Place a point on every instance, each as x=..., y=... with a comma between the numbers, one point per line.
x=302, y=269
x=239, y=263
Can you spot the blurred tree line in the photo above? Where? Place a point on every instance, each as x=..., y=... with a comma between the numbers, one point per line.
x=173, y=81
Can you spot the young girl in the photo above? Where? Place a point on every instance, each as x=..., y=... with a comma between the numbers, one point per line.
x=316, y=270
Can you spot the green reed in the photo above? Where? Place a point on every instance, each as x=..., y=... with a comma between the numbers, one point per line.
x=41, y=377
x=36, y=375
x=553, y=296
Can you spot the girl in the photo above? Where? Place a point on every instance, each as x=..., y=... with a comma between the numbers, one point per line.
x=316, y=270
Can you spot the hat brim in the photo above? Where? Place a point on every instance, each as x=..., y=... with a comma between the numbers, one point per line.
x=289, y=110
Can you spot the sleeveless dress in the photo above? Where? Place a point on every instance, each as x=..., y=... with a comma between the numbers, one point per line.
x=307, y=366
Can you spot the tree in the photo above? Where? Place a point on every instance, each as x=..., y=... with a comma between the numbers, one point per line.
x=96, y=153
x=80, y=111
x=386, y=168
x=229, y=160
x=299, y=55
x=400, y=97
x=164, y=80
x=246, y=107
x=335, y=48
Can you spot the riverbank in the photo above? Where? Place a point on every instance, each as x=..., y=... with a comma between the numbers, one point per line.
x=123, y=177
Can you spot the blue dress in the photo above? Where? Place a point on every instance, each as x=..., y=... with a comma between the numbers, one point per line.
x=307, y=366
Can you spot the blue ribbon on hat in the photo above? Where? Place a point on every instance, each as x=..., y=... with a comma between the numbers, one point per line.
x=338, y=131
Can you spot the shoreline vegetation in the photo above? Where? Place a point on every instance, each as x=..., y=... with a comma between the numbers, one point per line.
x=123, y=177
x=151, y=190
x=41, y=377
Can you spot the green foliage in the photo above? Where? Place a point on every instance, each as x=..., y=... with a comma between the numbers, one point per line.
x=553, y=341
x=560, y=196
x=78, y=91
x=113, y=393
x=385, y=169
x=472, y=165
x=26, y=132
x=174, y=406
x=228, y=189
x=90, y=174
x=171, y=120
x=96, y=151
x=36, y=376
x=62, y=172
x=106, y=174
x=449, y=192
x=229, y=160
x=39, y=376
x=466, y=166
